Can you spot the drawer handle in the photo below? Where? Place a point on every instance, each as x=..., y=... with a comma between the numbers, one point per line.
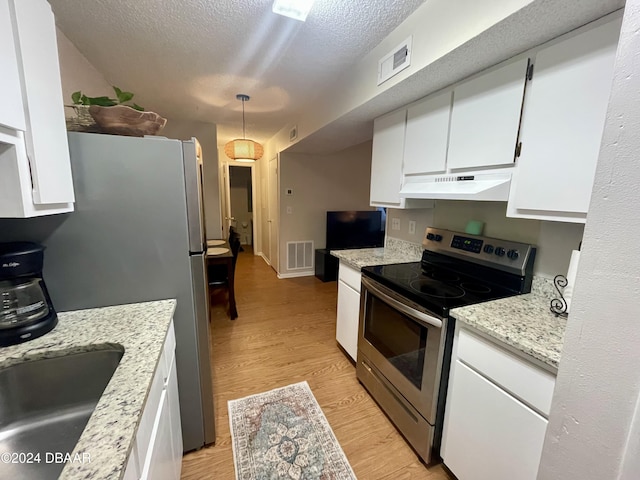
x=401, y=307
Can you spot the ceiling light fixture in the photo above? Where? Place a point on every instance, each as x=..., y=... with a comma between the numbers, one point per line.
x=242, y=149
x=296, y=9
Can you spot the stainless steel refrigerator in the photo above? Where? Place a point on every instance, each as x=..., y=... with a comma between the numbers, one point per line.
x=137, y=234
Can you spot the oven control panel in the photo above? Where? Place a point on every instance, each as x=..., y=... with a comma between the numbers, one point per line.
x=467, y=244
x=505, y=254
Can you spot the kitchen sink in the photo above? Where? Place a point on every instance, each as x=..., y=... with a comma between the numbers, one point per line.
x=45, y=405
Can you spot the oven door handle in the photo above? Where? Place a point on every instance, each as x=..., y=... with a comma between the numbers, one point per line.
x=392, y=302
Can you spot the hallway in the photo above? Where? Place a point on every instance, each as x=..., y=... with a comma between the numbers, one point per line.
x=285, y=333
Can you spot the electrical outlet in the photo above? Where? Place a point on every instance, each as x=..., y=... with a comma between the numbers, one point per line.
x=395, y=224
x=412, y=227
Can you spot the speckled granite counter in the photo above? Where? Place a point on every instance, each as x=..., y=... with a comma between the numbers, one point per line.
x=396, y=251
x=140, y=329
x=523, y=323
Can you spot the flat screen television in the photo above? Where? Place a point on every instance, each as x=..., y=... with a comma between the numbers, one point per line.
x=355, y=229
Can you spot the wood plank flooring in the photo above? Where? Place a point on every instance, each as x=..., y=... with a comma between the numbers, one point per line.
x=285, y=333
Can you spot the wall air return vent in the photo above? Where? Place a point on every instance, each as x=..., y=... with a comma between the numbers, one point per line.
x=300, y=255
x=395, y=61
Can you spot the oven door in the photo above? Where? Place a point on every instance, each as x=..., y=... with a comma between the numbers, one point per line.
x=404, y=342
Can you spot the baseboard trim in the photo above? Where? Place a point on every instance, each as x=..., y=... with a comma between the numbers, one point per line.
x=296, y=274
x=264, y=257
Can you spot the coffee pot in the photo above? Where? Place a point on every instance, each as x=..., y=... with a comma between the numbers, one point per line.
x=26, y=311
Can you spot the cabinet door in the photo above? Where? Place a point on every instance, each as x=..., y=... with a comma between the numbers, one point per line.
x=348, y=316
x=425, y=149
x=488, y=434
x=386, y=160
x=46, y=134
x=563, y=122
x=159, y=464
x=12, y=111
x=486, y=118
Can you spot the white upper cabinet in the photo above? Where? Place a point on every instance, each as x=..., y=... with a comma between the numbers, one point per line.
x=42, y=93
x=11, y=111
x=386, y=159
x=386, y=163
x=486, y=118
x=427, y=135
x=562, y=126
x=35, y=170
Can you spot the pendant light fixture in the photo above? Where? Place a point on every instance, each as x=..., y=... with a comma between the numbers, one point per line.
x=243, y=149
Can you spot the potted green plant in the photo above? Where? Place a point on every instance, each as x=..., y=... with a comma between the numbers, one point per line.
x=117, y=115
x=122, y=98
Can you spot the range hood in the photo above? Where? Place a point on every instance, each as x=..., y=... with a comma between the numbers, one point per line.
x=478, y=186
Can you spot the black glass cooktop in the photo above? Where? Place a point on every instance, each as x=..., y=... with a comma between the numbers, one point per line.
x=436, y=287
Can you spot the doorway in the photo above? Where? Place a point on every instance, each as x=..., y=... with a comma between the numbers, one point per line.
x=240, y=203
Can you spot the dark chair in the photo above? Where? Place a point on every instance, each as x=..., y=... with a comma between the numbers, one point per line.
x=218, y=275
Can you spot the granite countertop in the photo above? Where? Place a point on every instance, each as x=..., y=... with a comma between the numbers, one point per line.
x=396, y=251
x=140, y=329
x=524, y=323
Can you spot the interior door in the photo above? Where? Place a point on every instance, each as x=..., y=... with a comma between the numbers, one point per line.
x=227, y=220
x=272, y=219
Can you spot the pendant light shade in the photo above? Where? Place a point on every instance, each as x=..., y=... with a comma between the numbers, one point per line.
x=243, y=149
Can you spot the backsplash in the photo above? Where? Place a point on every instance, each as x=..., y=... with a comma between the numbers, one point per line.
x=30, y=229
x=395, y=244
x=554, y=240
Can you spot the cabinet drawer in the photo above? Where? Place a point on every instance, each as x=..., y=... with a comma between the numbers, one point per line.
x=350, y=276
x=531, y=384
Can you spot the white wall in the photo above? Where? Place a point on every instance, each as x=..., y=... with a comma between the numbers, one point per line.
x=206, y=135
x=554, y=240
x=320, y=183
x=593, y=432
x=78, y=73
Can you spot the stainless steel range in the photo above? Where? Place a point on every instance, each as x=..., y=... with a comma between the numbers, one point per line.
x=406, y=332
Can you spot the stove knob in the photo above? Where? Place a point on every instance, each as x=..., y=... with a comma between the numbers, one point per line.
x=430, y=236
x=438, y=238
x=500, y=251
x=513, y=254
x=488, y=249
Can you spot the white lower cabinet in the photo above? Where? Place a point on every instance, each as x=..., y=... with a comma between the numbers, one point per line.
x=489, y=433
x=174, y=419
x=157, y=451
x=348, y=309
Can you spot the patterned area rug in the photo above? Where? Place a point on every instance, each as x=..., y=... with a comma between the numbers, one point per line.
x=283, y=434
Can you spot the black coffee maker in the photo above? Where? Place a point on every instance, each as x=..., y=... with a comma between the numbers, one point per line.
x=26, y=311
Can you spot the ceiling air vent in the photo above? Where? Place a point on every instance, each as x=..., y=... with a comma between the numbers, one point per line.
x=395, y=61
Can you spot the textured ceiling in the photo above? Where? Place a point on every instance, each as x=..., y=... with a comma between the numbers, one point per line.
x=188, y=59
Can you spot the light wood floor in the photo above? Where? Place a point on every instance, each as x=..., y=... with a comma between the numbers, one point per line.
x=285, y=333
